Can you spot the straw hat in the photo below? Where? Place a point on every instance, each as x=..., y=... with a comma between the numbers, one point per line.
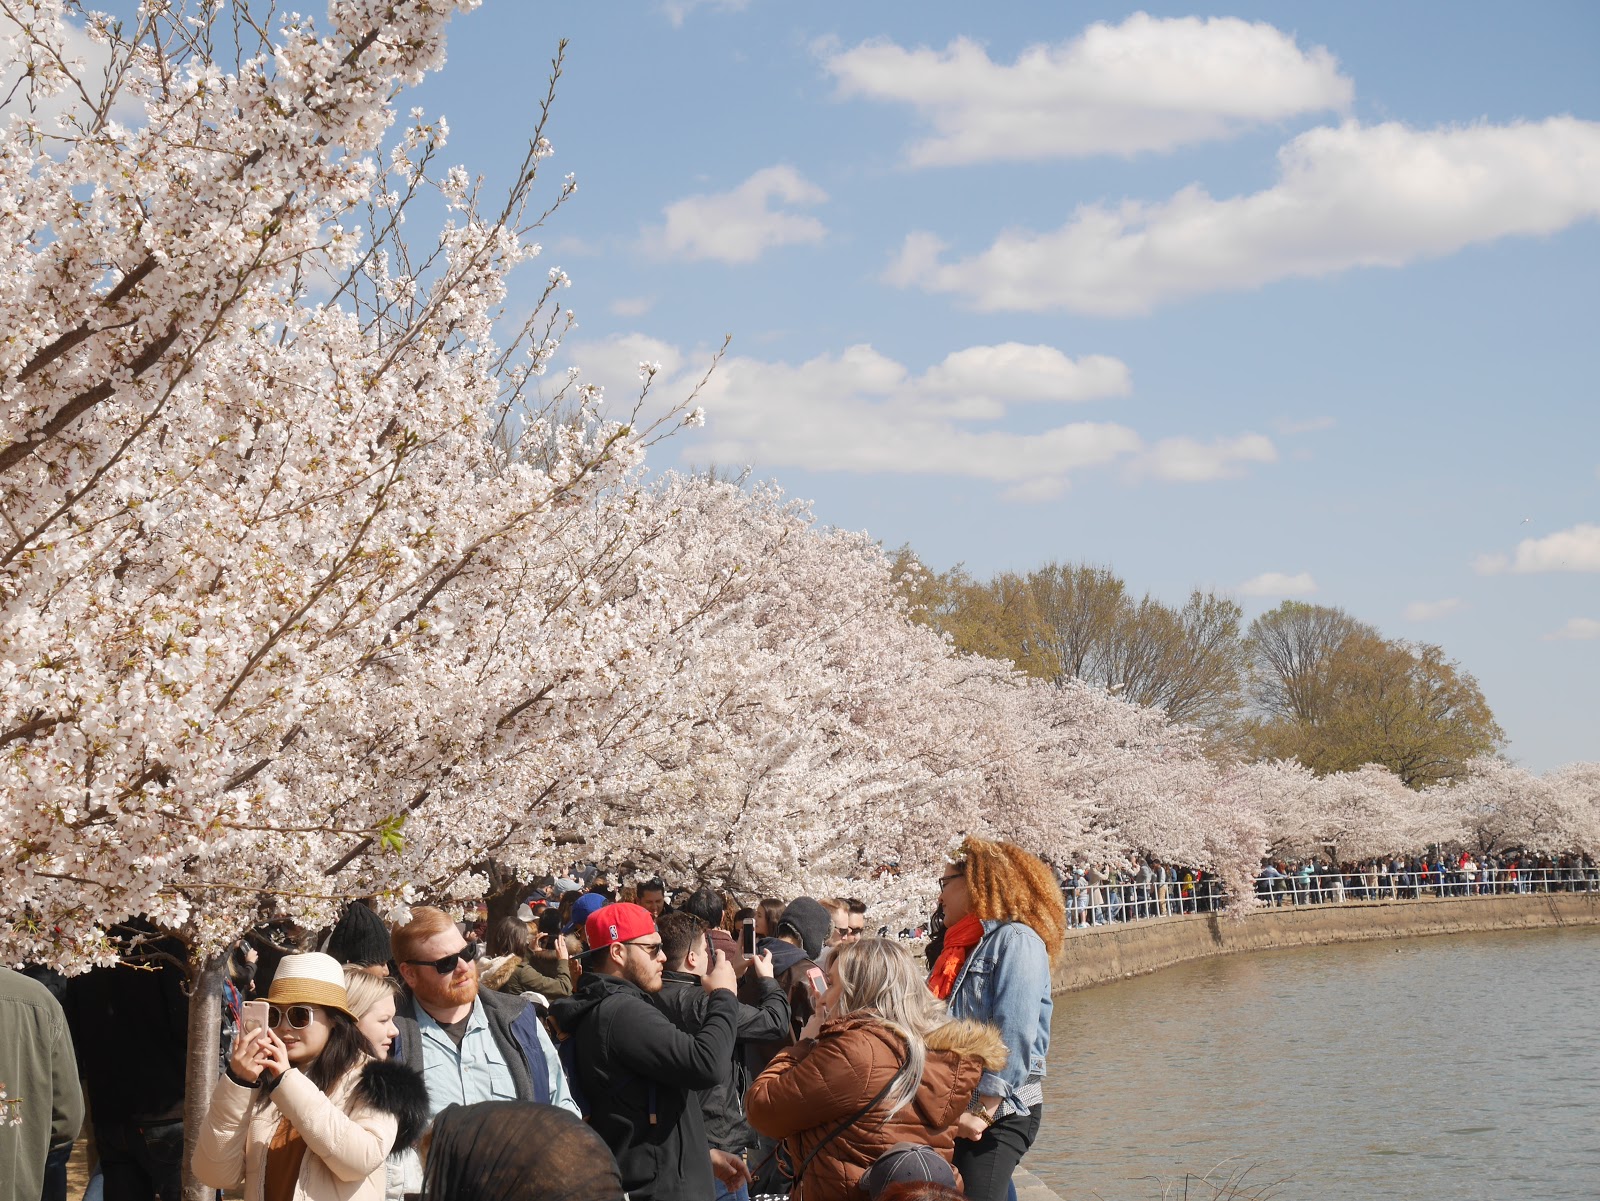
x=310, y=979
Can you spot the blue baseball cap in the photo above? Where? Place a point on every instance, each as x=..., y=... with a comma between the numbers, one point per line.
x=581, y=909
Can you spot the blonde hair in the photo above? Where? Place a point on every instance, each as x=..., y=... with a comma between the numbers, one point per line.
x=878, y=976
x=365, y=990
x=426, y=921
x=1007, y=884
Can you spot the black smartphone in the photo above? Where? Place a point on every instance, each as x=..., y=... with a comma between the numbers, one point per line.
x=747, y=937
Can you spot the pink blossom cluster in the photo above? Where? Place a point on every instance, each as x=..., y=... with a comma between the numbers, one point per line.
x=312, y=587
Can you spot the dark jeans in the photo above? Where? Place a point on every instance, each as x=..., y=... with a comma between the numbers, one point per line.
x=141, y=1160
x=986, y=1165
x=55, y=1174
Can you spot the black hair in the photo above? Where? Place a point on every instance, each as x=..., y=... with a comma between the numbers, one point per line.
x=654, y=885
x=678, y=931
x=706, y=905
x=346, y=1046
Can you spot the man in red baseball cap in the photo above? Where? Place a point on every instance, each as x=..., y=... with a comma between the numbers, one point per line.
x=634, y=1072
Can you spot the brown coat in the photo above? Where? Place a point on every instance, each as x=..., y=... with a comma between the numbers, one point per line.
x=811, y=1088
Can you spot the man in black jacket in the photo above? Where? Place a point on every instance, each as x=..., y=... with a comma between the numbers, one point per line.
x=635, y=1073
x=688, y=950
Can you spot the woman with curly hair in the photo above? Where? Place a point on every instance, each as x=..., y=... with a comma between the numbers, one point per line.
x=1004, y=922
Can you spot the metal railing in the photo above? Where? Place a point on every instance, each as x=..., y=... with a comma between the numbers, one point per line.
x=1130, y=901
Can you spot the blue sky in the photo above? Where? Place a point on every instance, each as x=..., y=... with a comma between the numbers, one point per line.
x=1296, y=301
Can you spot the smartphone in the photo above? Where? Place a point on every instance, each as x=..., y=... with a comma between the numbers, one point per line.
x=253, y=1016
x=747, y=937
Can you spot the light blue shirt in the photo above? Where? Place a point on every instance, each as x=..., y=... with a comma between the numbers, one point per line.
x=476, y=1071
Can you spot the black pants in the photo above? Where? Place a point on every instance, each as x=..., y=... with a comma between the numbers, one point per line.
x=141, y=1160
x=986, y=1165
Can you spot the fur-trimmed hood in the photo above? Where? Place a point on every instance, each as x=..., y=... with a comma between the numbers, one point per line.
x=496, y=972
x=398, y=1090
x=966, y=1037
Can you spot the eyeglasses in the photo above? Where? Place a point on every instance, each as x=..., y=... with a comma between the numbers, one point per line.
x=446, y=964
x=847, y=932
x=300, y=1016
x=651, y=949
x=943, y=880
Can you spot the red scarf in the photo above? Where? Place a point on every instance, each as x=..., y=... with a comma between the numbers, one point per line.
x=959, y=940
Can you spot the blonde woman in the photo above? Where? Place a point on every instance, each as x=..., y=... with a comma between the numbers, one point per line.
x=879, y=1063
x=305, y=1112
x=1004, y=923
x=372, y=1001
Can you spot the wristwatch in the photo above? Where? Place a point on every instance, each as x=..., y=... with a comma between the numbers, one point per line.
x=976, y=1109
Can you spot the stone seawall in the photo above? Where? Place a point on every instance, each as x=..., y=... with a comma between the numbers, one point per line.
x=1101, y=954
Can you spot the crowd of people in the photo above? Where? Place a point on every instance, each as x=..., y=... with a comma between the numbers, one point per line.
x=600, y=1042
x=1139, y=888
x=606, y=1040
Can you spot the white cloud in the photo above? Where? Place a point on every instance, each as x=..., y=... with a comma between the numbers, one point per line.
x=862, y=411
x=87, y=60
x=1577, y=549
x=677, y=11
x=1289, y=427
x=1147, y=84
x=1579, y=629
x=1346, y=196
x=1431, y=610
x=1190, y=461
x=739, y=226
x=632, y=306
x=1278, y=583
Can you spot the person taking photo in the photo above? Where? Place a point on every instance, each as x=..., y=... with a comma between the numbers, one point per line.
x=304, y=1111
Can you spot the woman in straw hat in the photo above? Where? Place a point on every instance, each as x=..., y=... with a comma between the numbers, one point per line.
x=305, y=1113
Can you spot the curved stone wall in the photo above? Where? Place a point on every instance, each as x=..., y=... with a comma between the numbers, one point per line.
x=1105, y=953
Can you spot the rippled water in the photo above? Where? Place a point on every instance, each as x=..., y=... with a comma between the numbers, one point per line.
x=1463, y=1066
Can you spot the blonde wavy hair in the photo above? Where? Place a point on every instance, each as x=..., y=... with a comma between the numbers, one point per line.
x=365, y=990
x=1007, y=884
x=879, y=977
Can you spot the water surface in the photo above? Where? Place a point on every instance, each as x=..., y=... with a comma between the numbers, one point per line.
x=1460, y=1066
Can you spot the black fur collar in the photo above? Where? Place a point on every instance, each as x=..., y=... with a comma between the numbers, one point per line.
x=397, y=1089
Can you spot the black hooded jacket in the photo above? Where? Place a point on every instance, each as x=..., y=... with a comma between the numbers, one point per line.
x=766, y=1017
x=803, y=983
x=637, y=1076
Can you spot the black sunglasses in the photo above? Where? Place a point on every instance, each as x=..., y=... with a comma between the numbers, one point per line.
x=943, y=880
x=300, y=1016
x=446, y=964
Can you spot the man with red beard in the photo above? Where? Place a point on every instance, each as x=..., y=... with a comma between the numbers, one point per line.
x=469, y=1046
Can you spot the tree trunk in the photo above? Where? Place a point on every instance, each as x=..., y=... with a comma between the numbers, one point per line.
x=202, y=1067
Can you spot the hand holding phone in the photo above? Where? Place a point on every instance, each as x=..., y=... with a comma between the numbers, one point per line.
x=747, y=937
x=253, y=1016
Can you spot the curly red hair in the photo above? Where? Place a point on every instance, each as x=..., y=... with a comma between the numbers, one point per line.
x=1007, y=884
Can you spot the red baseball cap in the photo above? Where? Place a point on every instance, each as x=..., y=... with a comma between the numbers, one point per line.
x=622, y=922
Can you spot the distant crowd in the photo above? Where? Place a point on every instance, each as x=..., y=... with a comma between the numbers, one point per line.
x=1139, y=888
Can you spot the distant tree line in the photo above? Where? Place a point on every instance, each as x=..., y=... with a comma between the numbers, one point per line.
x=1301, y=681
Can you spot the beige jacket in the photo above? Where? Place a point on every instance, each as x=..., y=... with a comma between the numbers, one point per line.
x=346, y=1140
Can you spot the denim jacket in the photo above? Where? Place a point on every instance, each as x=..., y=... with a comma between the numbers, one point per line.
x=1006, y=983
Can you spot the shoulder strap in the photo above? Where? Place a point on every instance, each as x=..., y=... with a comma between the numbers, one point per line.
x=842, y=1127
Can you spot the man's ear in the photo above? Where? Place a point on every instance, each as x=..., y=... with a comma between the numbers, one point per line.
x=617, y=954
